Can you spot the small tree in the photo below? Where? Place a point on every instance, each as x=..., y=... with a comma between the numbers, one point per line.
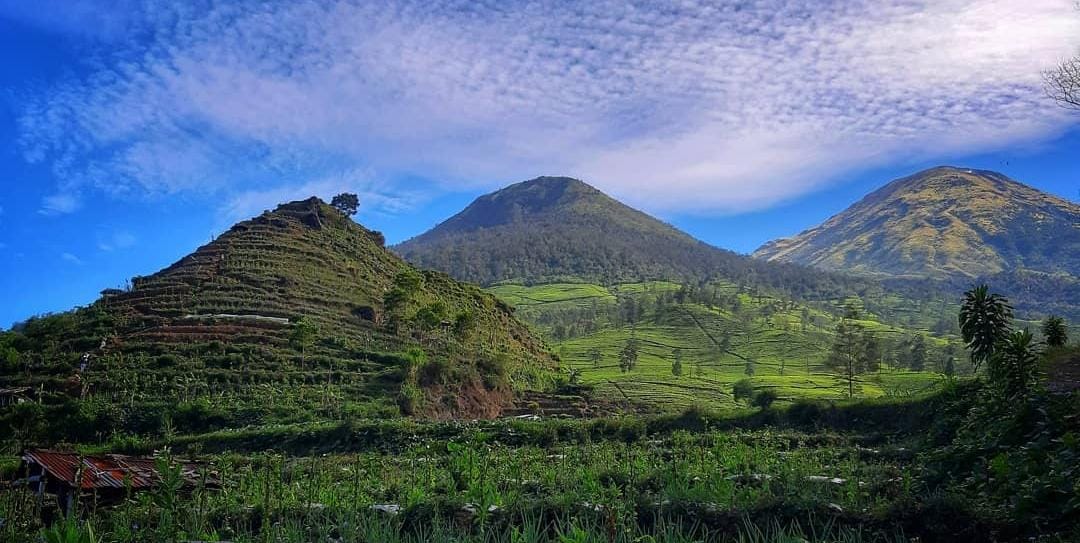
x=1055, y=331
x=303, y=336
x=346, y=203
x=628, y=357
x=596, y=357
x=743, y=389
x=676, y=363
x=1013, y=366
x=465, y=324
x=848, y=354
x=396, y=301
x=984, y=321
x=764, y=399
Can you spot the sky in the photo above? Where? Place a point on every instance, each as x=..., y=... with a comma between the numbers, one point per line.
x=132, y=132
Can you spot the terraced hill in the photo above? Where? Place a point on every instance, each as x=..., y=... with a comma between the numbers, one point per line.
x=720, y=334
x=298, y=312
x=943, y=223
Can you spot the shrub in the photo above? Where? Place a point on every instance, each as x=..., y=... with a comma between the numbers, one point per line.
x=764, y=399
x=492, y=371
x=743, y=389
x=435, y=371
x=168, y=361
x=804, y=413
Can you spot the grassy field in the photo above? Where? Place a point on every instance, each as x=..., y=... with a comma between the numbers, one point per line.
x=780, y=346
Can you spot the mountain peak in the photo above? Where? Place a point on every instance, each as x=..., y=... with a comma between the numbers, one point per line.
x=557, y=228
x=544, y=191
x=940, y=223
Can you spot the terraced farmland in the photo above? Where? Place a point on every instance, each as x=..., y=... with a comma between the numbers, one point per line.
x=779, y=345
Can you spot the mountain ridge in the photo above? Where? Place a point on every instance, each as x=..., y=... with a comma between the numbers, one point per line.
x=942, y=223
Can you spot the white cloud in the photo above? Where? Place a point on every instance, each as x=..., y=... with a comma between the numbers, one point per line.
x=115, y=240
x=68, y=257
x=59, y=204
x=688, y=106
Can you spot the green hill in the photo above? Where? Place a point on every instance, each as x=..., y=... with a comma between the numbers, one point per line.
x=943, y=223
x=721, y=333
x=298, y=313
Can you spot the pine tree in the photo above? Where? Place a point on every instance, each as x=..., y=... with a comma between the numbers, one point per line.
x=848, y=353
x=1055, y=331
x=676, y=364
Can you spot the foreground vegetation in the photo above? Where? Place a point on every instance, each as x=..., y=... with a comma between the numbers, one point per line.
x=878, y=471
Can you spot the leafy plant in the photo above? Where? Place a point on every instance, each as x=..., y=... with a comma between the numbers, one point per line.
x=985, y=319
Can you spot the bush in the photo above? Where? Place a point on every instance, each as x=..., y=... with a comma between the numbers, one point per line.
x=435, y=371
x=764, y=399
x=492, y=371
x=804, y=413
x=410, y=399
x=743, y=389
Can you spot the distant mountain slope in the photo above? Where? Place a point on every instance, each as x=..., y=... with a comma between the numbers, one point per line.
x=558, y=228
x=224, y=319
x=943, y=223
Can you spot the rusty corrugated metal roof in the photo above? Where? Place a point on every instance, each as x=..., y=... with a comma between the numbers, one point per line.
x=107, y=471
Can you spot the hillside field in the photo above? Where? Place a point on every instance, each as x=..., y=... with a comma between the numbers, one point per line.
x=779, y=346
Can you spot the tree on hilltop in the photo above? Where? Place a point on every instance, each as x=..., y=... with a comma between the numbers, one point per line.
x=346, y=202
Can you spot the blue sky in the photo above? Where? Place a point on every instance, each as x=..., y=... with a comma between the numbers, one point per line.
x=133, y=131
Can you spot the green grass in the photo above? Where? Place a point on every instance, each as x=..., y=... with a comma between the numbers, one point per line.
x=574, y=294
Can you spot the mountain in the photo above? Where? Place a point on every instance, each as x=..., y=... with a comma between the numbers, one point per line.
x=552, y=229
x=944, y=223
x=299, y=304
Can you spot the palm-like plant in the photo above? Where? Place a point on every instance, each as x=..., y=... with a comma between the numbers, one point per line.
x=984, y=321
x=1055, y=332
x=1014, y=364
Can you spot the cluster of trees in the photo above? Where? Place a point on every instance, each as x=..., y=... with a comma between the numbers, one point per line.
x=1011, y=356
x=404, y=308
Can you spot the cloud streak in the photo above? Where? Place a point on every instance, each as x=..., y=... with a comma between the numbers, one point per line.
x=703, y=106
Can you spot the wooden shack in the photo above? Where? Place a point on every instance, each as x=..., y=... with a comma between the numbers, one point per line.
x=106, y=478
